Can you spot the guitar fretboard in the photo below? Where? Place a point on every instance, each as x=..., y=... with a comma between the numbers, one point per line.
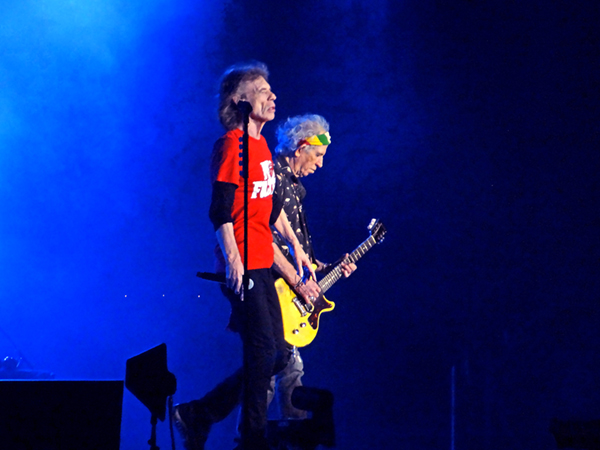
x=336, y=273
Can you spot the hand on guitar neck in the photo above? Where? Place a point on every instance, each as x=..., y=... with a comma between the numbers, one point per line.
x=345, y=263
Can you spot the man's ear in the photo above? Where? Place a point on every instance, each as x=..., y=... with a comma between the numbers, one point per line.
x=300, y=149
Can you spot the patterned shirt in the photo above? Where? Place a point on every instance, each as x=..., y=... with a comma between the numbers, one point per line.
x=290, y=189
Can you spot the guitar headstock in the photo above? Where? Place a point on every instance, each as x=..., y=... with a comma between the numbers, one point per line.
x=377, y=230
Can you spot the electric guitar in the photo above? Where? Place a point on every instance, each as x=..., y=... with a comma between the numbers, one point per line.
x=301, y=319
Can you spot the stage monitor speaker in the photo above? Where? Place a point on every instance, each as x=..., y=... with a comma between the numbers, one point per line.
x=60, y=415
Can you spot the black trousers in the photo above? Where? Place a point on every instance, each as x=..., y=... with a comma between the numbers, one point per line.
x=265, y=352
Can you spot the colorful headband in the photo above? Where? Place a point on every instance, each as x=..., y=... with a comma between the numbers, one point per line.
x=319, y=139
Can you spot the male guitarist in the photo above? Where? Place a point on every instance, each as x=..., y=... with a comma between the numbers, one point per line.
x=302, y=144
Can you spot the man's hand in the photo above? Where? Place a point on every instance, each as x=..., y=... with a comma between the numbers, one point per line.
x=347, y=268
x=309, y=291
x=234, y=269
x=235, y=273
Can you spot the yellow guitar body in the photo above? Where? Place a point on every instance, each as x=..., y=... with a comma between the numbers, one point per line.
x=300, y=321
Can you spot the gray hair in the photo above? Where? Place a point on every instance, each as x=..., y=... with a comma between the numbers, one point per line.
x=229, y=115
x=296, y=129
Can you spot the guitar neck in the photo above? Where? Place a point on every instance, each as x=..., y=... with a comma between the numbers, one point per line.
x=336, y=273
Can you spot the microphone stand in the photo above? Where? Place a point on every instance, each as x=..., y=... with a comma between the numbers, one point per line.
x=245, y=108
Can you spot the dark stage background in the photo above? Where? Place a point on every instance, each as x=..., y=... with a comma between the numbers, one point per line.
x=469, y=127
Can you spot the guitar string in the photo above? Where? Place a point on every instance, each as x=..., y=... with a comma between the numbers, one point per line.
x=337, y=273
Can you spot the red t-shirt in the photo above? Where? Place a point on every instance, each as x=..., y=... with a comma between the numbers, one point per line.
x=261, y=184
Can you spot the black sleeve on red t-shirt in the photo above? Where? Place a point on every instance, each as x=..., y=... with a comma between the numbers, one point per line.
x=221, y=203
x=277, y=203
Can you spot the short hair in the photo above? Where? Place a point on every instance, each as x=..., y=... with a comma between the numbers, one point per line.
x=296, y=129
x=229, y=115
